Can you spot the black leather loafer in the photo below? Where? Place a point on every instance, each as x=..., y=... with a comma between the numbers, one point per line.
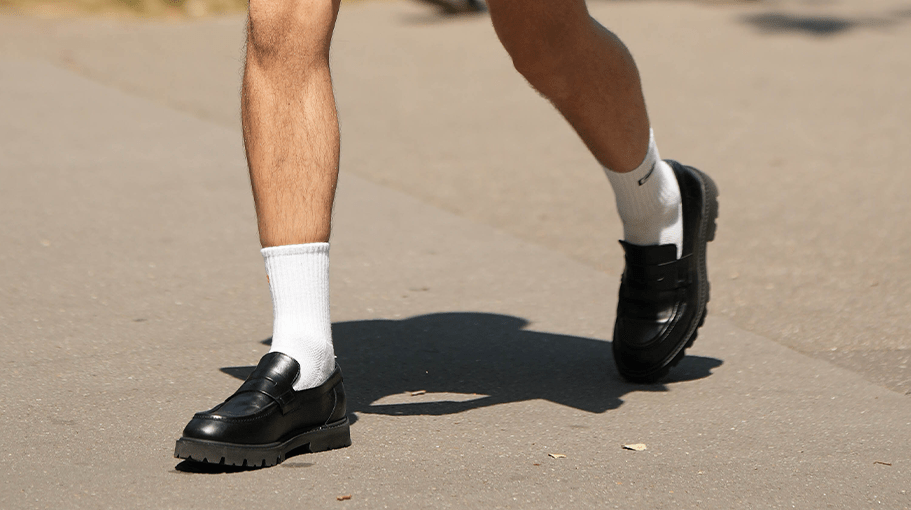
x=663, y=299
x=265, y=419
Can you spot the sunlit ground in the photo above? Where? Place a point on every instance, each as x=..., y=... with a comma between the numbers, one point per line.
x=130, y=8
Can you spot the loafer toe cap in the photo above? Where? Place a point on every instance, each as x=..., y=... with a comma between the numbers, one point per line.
x=205, y=429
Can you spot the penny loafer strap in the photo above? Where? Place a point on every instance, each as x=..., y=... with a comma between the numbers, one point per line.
x=281, y=392
x=667, y=276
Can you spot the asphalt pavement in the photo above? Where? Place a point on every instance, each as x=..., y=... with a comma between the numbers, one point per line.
x=474, y=266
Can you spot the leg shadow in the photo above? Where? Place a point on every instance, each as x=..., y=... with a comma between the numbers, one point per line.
x=446, y=363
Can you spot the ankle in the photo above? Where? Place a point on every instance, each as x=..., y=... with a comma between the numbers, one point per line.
x=649, y=203
x=299, y=281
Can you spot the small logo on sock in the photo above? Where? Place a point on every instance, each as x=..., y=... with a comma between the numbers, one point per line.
x=649, y=174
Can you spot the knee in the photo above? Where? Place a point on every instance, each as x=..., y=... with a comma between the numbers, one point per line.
x=290, y=32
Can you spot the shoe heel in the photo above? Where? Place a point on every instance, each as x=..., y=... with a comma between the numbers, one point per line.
x=711, y=199
x=338, y=436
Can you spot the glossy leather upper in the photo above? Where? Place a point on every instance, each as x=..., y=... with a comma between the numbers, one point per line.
x=266, y=409
x=660, y=295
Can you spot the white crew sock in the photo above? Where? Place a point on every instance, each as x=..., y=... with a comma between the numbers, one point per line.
x=299, y=281
x=648, y=200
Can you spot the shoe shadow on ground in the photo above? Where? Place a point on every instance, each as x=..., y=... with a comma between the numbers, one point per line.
x=447, y=363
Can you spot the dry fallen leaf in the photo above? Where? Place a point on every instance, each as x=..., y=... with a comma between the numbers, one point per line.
x=343, y=498
x=638, y=447
x=557, y=455
x=419, y=392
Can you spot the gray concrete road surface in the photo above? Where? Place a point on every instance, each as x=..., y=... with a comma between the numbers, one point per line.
x=474, y=259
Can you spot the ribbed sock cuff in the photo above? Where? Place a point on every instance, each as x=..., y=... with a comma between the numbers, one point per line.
x=648, y=201
x=299, y=282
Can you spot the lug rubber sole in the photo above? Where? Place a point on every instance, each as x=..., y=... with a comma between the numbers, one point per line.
x=707, y=228
x=327, y=437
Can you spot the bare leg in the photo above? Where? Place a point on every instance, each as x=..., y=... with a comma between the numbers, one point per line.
x=583, y=69
x=289, y=119
x=589, y=75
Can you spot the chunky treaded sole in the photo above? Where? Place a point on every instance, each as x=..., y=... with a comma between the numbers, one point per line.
x=328, y=437
x=707, y=228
